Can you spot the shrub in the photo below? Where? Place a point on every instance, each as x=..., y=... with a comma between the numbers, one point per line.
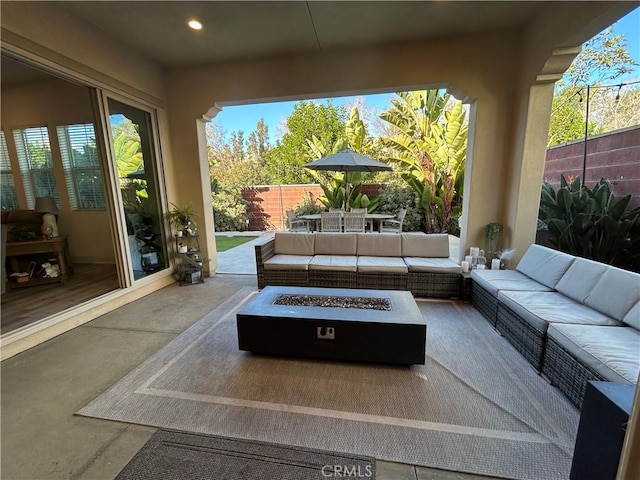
x=229, y=210
x=308, y=206
x=395, y=197
x=592, y=223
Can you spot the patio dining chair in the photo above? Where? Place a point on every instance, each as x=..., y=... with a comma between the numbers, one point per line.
x=354, y=221
x=331, y=221
x=297, y=224
x=395, y=224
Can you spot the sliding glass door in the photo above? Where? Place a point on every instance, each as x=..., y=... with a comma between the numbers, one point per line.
x=134, y=148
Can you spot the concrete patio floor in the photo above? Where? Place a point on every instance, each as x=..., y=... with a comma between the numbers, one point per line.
x=41, y=438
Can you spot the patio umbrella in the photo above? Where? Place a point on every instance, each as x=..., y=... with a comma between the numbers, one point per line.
x=347, y=161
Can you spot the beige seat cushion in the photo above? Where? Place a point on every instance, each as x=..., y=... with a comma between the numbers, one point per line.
x=435, y=245
x=336, y=263
x=379, y=245
x=336, y=243
x=432, y=265
x=288, y=262
x=288, y=243
x=376, y=264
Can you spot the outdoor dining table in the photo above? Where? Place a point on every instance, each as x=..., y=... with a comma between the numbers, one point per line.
x=370, y=218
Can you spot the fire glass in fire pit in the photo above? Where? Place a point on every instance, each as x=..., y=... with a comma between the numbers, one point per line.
x=329, y=301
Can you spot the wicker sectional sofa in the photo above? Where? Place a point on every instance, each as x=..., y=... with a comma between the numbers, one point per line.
x=573, y=319
x=416, y=262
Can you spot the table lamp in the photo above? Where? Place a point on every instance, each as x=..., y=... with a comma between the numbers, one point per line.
x=47, y=205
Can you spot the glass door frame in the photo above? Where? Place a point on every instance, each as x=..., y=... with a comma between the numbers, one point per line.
x=112, y=186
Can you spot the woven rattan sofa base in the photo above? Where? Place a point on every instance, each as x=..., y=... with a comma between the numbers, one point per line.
x=566, y=372
x=382, y=281
x=529, y=341
x=434, y=285
x=484, y=302
x=294, y=278
x=329, y=279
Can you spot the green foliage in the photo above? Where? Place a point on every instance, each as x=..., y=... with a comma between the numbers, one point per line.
x=308, y=119
x=395, y=197
x=229, y=210
x=308, y=206
x=592, y=223
x=334, y=184
x=238, y=162
x=181, y=217
x=604, y=58
x=430, y=148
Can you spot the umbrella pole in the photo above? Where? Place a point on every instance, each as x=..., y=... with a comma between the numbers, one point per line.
x=346, y=200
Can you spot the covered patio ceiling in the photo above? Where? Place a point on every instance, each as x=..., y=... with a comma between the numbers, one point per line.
x=234, y=31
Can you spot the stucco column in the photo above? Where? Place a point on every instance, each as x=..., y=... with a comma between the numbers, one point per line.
x=529, y=154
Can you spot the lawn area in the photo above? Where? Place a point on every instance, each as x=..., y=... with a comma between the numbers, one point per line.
x=225, y=243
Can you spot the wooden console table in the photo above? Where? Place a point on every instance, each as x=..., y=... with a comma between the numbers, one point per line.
x=57, y=245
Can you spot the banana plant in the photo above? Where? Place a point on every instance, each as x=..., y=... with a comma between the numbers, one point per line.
x=430, y=146
x=592, y=223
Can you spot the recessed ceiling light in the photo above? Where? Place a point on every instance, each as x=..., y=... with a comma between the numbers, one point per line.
x=195, y=24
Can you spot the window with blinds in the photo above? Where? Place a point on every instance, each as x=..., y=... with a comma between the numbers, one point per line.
x=8, y=194
x=81, y=166
x=36, y=164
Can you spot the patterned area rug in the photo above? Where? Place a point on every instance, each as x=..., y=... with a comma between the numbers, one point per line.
x=476, y=405
x=171, y=455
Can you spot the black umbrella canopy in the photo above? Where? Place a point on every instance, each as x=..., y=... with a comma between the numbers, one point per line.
x=348, y=161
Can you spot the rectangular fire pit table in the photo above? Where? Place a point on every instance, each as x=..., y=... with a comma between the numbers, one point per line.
x=396, y=334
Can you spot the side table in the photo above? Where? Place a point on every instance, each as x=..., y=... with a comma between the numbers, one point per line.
x=56, y=245
x=603, y=421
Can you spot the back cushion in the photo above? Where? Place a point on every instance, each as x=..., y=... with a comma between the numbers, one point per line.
x=288, y=243
x=617, y=291
x=380, y=244
x=632, y=318
x=580, y=279
x=435, y=245
x=544, y=265
x=336, y=243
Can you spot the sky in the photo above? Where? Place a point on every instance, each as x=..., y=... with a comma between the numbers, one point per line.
x=245, y=117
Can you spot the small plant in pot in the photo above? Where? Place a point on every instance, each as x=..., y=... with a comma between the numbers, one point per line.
x=181, y=218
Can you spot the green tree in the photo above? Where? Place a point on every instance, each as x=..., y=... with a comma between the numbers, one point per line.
x=334, y=184
x=325, y=121
x=430, y=147
x=603, y=59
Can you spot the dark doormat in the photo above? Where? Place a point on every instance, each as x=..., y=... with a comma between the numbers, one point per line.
x=173, y=455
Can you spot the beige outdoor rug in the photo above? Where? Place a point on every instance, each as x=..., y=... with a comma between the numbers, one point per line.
x=476, y=406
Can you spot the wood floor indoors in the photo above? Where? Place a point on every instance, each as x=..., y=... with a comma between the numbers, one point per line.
x=22, y=306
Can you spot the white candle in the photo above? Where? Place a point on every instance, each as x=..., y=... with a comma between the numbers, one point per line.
x=474, y=251
x=465, y=266
x=495, y=264
x=481, y=267
x=468, y=259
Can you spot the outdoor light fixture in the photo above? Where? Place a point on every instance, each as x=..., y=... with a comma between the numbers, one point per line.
x=195, y=24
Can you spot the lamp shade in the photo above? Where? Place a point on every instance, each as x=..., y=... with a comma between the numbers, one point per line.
x=45, y=204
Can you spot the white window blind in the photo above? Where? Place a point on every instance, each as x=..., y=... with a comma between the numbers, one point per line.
x=81, y=166
x=36, y=164
x=7, y=184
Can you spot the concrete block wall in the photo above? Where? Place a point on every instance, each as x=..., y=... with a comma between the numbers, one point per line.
x=614, y=156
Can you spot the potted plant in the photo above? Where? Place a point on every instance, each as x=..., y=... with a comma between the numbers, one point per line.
x=181, y=218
